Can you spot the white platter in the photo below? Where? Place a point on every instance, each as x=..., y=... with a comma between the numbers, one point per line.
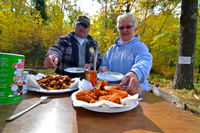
x=34, y=86
x=110, y=76
x=52, y=91
x=112, y=110
x=103, y=108
x=74, y=70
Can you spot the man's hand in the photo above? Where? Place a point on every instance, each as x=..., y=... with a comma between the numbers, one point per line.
x=51, y=61
x=132, y=78
x=87, y=66
x=104, y=69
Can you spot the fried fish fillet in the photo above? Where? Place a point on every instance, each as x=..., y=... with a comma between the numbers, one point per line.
x=113, y=93
x=81, y=95
x=122, y=94
x=97, y=89
x=104, y=83
x=114, y=88
x=112, y=98
x=100, y=86
x=91, y=94
x=104, y=93
x=106, y=97
x=115, y=98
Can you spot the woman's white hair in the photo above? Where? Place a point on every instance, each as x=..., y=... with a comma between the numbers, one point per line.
x=127, y=16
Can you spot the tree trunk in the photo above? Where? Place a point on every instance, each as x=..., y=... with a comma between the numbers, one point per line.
x=184, y=75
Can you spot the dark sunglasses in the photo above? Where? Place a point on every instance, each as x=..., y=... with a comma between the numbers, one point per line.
x=83, y=25
x=127, y=27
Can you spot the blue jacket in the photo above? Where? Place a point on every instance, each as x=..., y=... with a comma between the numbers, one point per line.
x=130, y=56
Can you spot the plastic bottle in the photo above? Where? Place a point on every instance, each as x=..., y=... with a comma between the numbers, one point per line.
x=25, y=79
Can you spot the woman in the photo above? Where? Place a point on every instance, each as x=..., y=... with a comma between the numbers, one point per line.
x=129, y=56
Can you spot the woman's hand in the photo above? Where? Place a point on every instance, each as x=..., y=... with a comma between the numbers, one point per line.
x=104, y=69
x=132, y=78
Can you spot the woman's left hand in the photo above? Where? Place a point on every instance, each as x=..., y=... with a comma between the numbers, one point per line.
x=132, y=78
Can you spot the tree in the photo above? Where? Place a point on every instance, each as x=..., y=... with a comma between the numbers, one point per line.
x=41, y=7
x=184, y=75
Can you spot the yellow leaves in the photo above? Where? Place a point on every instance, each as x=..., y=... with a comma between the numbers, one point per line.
x=25, y=32
x=2, y=16
x=116, y=10
x=105, y=38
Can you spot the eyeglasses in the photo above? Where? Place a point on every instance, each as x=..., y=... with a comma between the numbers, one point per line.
x=127, y=27
x=83, y=25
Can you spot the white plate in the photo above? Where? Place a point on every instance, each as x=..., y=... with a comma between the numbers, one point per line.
x=110, y=76
x=52, y=91
x=112, y=110
x=74, y=70
x=103, y=108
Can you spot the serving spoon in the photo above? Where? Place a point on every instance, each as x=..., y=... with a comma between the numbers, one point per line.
x=26, y=110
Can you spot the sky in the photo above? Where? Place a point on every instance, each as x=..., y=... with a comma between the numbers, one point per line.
x=89, y=6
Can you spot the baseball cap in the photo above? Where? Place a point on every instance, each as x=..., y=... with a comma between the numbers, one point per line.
x=83, y=19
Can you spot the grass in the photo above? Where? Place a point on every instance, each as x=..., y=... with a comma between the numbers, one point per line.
x=190, y=97
x=46, y=71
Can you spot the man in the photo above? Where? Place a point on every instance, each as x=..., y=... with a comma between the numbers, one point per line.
x=74, y=50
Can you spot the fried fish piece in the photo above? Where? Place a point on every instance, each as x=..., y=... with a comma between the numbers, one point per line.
x=112, y=94
x=105, y=97
x=81, y=95
x=118, y=90
x=114, y=88
x=115, y=98
x=93, y=101
x=100, y=86
x=97, y=89
x=104, y=93
x=91, y=94
x=122, y=94
x=104, y=83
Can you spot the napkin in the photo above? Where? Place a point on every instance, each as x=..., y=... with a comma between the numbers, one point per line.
x=84, y=84
x=34, y=84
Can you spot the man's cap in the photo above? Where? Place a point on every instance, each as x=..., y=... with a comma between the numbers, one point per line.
x=83, y=19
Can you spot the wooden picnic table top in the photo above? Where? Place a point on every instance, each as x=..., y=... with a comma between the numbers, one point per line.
x=153, y=114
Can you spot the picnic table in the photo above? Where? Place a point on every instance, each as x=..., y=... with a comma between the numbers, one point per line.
x=58, y=115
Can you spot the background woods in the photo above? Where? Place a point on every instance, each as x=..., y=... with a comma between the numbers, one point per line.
x=30, y=27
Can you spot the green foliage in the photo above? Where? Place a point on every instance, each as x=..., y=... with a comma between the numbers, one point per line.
x=41, y=7
x=24, y=32
x=197, y=50
x=159, y=80
x=104, y=36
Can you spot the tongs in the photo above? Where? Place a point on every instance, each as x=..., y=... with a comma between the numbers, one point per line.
x=95, y=58
x=26, y=110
